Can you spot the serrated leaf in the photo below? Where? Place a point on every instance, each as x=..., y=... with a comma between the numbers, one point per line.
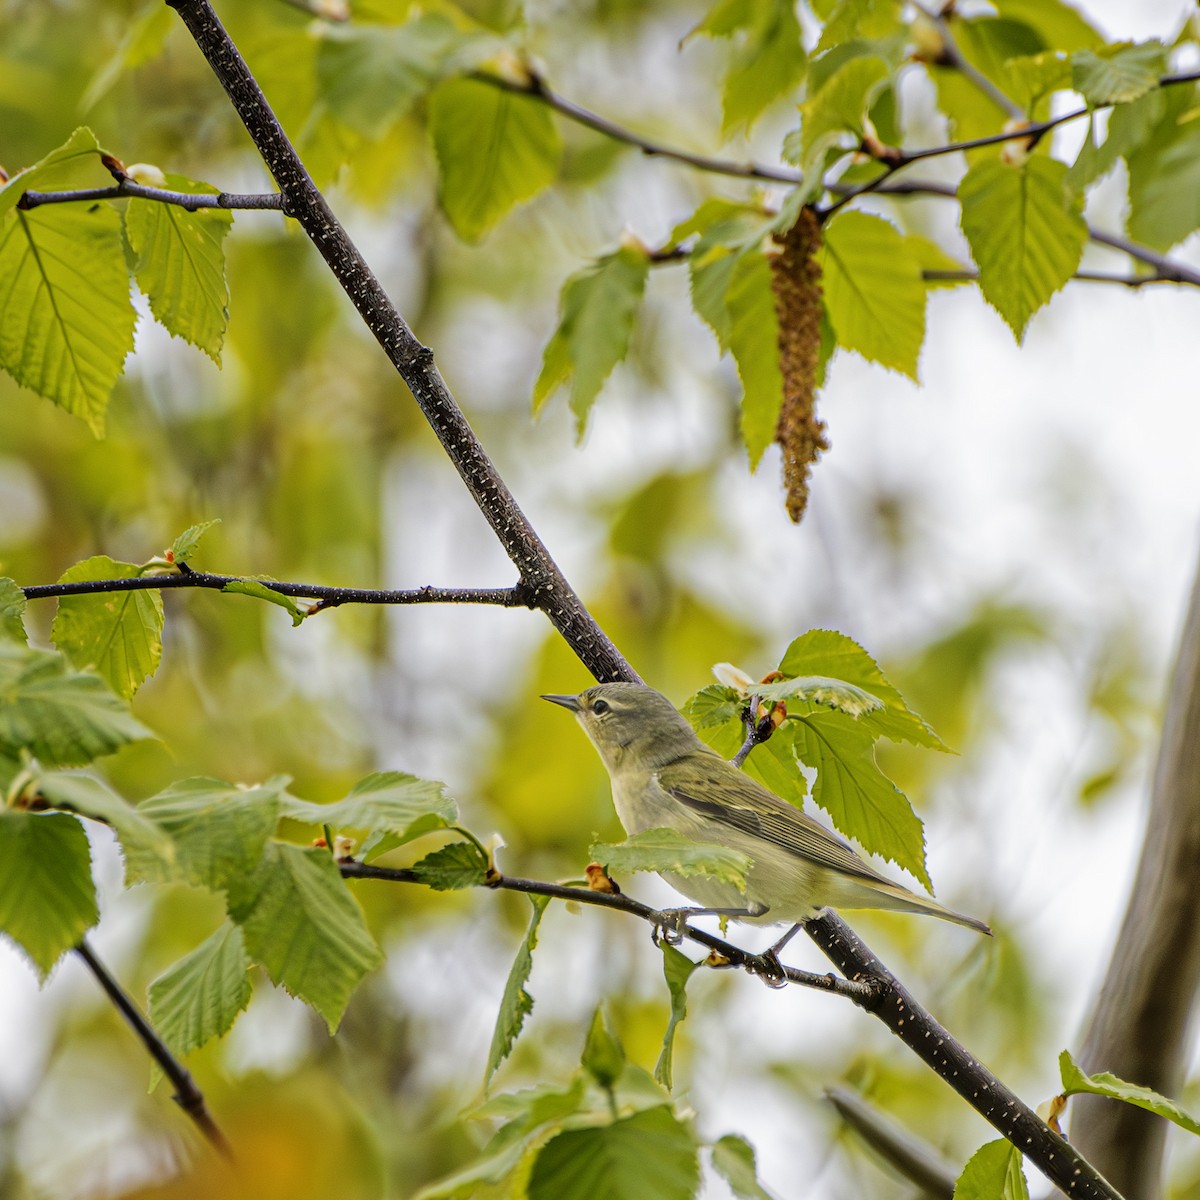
x=494, y=150
x=1103, y=1083
x=1119, y=73
x=650, y=1153
x=516, y=1003
x=824, y=652
x=665, y=850
x=930, y=256
x=93, y=798
x=116, y=634
x=180, y=264
x=603, y=1056
x=754, y=343
x=1026, y=233
x=1164, y=184
x=184, y=546
x=766, y=63
x=458, y=865
x=201, y=995
x=371, y=75
x=859, y=798
x=733, y=1159
x=713, y=705
x=391, y=802
x=219, y=831
x=12, y=611
x=677, y=969
x=64, y=718
x=75, y=163
x=303, y=925
x=64, y=290
x=839, y=107
x=597, y=311
x=1028, y=80
x=993, y=1172
x=260, y=591
x=874, y=293
x=820, y=689
x=47, y=897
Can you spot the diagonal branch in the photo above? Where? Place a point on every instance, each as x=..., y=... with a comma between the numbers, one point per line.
x=547, y=586
x=187, y=1095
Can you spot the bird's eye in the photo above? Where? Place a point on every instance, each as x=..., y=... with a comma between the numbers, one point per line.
x=600, y=707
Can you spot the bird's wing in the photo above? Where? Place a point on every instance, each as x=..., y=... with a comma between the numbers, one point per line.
x=722, y=793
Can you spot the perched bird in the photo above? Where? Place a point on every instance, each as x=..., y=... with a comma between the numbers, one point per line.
x=663, y=776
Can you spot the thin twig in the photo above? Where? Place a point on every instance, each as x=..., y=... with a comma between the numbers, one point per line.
x=931, y=275
x=537, y=87
x=187, y=1095
x=862, y=994
x=127, y=188
x=758, y=729
x=511, y=597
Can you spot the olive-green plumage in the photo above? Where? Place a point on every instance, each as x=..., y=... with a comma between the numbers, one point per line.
x=663, y=776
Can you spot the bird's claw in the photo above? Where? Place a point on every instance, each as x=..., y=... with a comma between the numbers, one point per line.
x=668, y=926
x=769, y=969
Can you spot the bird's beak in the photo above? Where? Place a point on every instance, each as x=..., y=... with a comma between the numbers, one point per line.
x=571, y=702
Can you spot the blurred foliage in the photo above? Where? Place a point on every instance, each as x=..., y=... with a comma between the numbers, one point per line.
x=307, y=448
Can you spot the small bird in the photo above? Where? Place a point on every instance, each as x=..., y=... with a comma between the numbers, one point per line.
x=663, y=776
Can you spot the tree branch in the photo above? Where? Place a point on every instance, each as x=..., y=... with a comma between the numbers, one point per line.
x=547, y=587
x=1142, y=1025
x=187, y=1095
x=127, y=188
x=330, y=597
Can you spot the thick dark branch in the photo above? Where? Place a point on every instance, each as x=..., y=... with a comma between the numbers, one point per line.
x=756, y=964
x=547, y=587
x=127, y=188
x=513, y=597
x=187, y=1095
x=537, y=87
x=1056, y=1158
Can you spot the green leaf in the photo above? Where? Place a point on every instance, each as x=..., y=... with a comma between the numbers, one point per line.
x=116, y=634
x=714, y=705
x=665, y=850
x=516, y=1003
x=733, y=1159
x=219, y=831
x=201, y=995
x=993, y=1172
x=767, y=62
x=93, y=798
x=820, y=689
x=1058, y=23
x=180, y=264
x=12, y=611
x=1102, y=1083
x=1025, y=231
x=603, y=1056
x=392, y=802
x=260, y=591
x=371, y=75
x=754, y=343
x=76, y=163
x=1119, y=73
x=494, y=150
x=596, y=316
x=677, y=968
x=823, y=652
x=839, y=107
x=650, y=1153
x=862, y=802
x=63, y=718
x=1030, y=79
x=458, y=865
x=873, y=289
x=47, y=897
x=64, y=290
x=184, y=546
x=303, y=925
x=1164, y=182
